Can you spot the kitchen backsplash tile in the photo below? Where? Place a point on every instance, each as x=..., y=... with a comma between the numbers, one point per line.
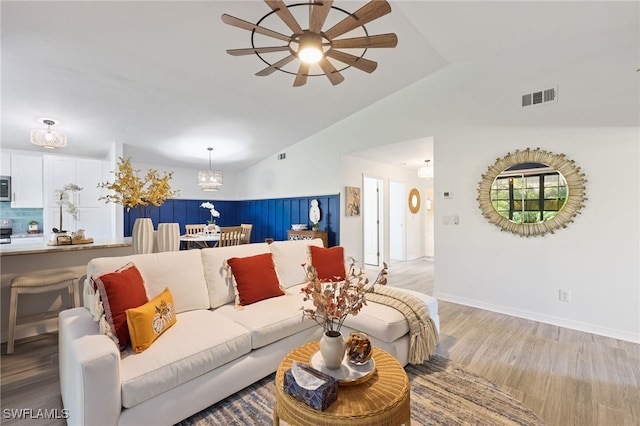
x=21, y=217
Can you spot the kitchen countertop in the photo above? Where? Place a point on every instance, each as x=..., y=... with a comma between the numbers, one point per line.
x=42, y=247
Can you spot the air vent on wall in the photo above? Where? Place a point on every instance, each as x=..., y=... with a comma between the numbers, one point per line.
x=540, y=97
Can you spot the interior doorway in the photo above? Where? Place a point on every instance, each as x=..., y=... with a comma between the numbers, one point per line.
x=372, y=202
x=397, y=246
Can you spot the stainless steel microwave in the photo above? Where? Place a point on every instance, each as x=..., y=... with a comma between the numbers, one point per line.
x=5, y=188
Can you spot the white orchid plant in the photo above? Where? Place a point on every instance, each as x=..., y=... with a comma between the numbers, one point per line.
x=64, y=199
x=214, y=213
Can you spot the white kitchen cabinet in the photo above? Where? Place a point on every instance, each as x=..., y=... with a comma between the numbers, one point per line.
x=5, y=164
x=87, y=173
x=26, y=181
x=96, y=222
x=94, y=216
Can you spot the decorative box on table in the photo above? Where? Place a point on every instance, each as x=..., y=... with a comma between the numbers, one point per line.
x=319, y=398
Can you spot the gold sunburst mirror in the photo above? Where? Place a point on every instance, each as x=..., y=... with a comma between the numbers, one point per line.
x=414, y=200
x=532, y=192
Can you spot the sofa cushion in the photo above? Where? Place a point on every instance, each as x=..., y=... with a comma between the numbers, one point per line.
x=200, y=341
x=329, y=262
x=386, y=323
x=119, y=291
x=271, y=319
x=288, y=257
x=219, y=283
x=181, y=271
x=147, y=322
x=255, y=278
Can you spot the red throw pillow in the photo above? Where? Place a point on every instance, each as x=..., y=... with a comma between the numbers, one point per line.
x=255, y=278
x=329, y=262
x=119, y=291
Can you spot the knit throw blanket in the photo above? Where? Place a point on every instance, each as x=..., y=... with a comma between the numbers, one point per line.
x=424, y=335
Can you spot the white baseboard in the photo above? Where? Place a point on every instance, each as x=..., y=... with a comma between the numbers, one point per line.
x=547, y=319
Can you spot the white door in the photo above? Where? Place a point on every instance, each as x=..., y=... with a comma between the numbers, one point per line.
x=396, y=221
x=371, y=219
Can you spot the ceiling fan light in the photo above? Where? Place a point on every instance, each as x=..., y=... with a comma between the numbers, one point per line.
x=310, y=50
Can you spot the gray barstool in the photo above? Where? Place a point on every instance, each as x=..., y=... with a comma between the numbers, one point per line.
x=39, y=283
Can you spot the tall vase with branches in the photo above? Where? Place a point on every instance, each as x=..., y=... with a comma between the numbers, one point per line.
x=132, y=190
x=135, y=191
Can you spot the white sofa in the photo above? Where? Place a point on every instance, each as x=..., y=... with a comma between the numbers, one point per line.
x=213, y=350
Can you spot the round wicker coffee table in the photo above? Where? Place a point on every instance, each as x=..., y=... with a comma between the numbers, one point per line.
x=381, y=400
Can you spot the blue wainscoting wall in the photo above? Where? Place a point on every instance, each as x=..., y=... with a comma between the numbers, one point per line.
x=271, y=218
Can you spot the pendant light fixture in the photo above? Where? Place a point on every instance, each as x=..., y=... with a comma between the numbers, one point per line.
x=426, y=171
x=48, y=138
x=210, y=180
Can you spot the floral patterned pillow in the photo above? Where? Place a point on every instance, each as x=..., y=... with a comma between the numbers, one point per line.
x=147, y=322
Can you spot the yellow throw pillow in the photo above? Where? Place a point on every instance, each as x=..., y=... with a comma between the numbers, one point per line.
x=147, y=322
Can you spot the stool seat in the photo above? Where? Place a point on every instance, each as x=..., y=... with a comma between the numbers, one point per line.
x=44, y=279
x=39, y=283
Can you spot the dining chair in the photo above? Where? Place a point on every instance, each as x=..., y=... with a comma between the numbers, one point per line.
x=230, y=236
x=246, y=233
x=194, y=229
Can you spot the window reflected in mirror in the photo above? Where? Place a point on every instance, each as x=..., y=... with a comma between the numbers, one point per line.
x=532, y=192
x=529, y=193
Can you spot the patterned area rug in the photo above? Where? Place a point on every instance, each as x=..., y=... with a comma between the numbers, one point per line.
x=442, y=393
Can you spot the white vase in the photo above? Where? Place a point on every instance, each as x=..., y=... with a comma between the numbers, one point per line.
x=332, y=349
x=142, y=236
x=168, y=238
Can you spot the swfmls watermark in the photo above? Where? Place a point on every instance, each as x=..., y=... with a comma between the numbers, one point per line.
x=35, y=413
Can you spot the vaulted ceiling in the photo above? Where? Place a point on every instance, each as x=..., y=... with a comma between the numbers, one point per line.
x=155, y=75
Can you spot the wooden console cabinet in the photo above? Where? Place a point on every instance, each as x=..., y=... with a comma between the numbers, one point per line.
x=308, y=235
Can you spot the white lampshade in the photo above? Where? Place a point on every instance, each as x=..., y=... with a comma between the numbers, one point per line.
x=48, y=138
x=426, y=171
x=210, y=180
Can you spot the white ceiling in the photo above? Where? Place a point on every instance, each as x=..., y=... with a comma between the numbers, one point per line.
x=154, y=75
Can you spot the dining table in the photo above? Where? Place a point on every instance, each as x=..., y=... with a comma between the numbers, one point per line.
x=199, y=240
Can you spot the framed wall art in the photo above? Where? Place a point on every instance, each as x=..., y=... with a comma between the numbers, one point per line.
x=352, y=201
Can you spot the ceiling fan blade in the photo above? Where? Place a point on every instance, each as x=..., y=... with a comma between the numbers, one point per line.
x=237, y=22
x=331, y=72
x=283, y=12
x=367, y=13
x=273, y=68
x=361, y=63
x=381, y=40
x=303, y=73
x=252, y=50
x=319, y=15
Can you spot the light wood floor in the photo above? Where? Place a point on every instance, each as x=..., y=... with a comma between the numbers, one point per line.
x=566, y=377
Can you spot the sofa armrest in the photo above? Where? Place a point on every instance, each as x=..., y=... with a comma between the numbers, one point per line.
x=89, y=370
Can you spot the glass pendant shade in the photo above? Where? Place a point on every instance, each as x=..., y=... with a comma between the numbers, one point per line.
x=426, y=171
x=48, y=138
x=210, y=180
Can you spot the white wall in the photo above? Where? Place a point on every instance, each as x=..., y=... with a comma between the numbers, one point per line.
x=596, y=258
x=351, y=228
x=472, y=111
x=185, y=180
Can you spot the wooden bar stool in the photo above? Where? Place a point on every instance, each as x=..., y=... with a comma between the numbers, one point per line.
x=39, y=283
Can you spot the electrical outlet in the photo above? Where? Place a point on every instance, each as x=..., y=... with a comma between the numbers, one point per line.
x=564, y=295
